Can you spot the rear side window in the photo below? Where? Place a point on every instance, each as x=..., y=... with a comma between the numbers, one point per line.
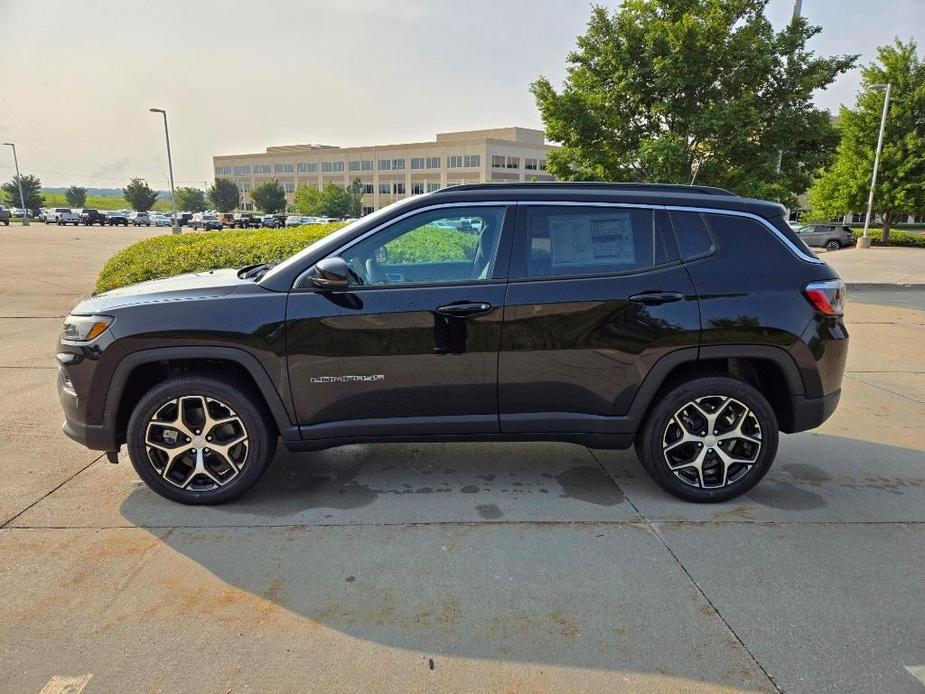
x=692, y=234
x=575, y=241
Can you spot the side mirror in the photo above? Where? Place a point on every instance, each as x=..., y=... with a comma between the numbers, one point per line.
x=330, y=274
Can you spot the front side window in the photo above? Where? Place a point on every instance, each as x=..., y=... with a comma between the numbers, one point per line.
x=575, y=241
x=437, y=246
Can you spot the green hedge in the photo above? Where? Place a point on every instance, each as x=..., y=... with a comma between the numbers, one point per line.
x=897, y=237
x=168, y=255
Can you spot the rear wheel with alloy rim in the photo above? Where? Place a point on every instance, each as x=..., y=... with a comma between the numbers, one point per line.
x=709, y=439
x=200, y=439
x=832, y=245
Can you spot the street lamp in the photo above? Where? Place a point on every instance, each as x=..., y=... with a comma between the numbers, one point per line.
x=173, y=195
x=22, y=199
x=864, y=241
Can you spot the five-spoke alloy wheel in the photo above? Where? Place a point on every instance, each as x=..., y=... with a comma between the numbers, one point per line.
x=200, y=439
x=709, y=439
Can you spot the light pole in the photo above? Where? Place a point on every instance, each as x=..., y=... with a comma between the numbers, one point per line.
x=864, y=241
x=22, y=199
x=173, y=195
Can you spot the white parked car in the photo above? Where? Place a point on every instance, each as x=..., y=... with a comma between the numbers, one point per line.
x=161, y=220
x=137, y=219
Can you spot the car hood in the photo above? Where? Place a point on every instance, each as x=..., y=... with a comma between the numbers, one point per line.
x=194, y=285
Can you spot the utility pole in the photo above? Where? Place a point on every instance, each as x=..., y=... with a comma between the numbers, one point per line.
x=22, y=200
x=173, y=195
x=864, y=241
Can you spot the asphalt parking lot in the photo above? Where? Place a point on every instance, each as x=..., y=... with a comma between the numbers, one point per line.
x=514, y=567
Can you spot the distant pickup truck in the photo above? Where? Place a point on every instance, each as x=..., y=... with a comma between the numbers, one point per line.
x=245, y=220
x=90, y=217
x=4, y=216
x=65, y=216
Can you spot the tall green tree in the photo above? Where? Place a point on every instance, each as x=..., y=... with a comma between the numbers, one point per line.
x=307, y=200
x=844, y=186
x=224, y=195
x=31, y=192
x=76, y=196
x=685, y=91
x=269, y=197
x=191, y=199
x=139, y=195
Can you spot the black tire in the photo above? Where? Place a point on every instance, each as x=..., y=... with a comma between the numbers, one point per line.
x=247, y=407
x=832, y=245
x=649, y=441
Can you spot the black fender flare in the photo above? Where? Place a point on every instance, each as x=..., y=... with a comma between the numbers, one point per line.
x=664, y=366
x=248, y=361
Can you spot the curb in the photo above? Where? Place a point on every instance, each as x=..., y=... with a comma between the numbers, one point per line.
x=883, y=286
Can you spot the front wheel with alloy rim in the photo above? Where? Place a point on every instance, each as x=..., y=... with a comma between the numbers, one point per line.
x=709, y=439
x=200, y=439
x=832, y=245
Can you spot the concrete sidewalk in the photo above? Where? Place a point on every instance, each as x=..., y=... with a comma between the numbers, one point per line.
x=878, y=266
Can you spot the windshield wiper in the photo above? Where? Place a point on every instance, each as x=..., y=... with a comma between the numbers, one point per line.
x=256, y=271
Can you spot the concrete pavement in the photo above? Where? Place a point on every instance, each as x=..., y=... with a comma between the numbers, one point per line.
x=878, y=266
x=515, y=567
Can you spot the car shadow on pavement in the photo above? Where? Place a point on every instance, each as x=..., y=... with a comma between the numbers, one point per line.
x=573, y=576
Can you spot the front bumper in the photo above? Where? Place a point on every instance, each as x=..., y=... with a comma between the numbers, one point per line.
x=96, y=437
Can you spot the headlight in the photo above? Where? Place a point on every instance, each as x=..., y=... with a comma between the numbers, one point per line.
x=85, y=328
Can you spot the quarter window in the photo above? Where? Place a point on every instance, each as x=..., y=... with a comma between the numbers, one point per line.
x=691, y=232
x=438, y=246
x=575, y=241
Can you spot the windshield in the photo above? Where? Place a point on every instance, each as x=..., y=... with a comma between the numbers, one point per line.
x=343, y=232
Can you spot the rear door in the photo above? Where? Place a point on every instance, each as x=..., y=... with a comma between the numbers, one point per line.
x=411, y=347
x=597, y=295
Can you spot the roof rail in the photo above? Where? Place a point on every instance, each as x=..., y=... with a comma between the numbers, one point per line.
x=596, y=185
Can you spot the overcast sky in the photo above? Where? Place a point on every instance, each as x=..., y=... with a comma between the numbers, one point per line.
x=238, y=75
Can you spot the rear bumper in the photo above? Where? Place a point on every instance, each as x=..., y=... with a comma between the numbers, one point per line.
x=808, y=413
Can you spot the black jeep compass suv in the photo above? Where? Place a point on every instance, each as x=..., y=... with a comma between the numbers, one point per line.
x=685, y=320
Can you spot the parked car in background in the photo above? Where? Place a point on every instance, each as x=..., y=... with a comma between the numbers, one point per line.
x=206, y=221
x=245, y=220
x=4, y=216
x=183, y=218
x=116, y=219
x=686, y=321
x=273, y=221
x=51, y=215
x=226, y=219
x=161, y=220
x=65, y=216
x=138, y=219
x=831, y=237
x=20, y=212
x=89, y=216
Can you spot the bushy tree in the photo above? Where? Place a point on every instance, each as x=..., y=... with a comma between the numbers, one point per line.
x=139, y=196
x=31, y=192
x=224, y=195
x=844, y=187
x=685, y=91
x=190, y=199
x=76, y=196
x=269, y=197
x=307, y=200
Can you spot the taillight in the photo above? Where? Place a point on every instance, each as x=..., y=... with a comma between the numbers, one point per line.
x=827, y=297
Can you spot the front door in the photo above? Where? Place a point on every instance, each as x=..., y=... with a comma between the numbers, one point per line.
x=412, y=346
x=597, y=295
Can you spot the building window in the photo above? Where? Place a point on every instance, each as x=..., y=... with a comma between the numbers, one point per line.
x=417, y=188
x=472, y=161
x=542, y=164
x=433, y=162
x=385, y=164
x=361, y=165
x=288, y=186
x=513, y=163
x=366, y=211
x=385, y=189
x=368, y=189
x=245, y=187
x=454, y=162
x=331, y=166
x=354, y=165
x=398, y=164
x=431, y=187
x=309, y=167
x=530, y=164
x=277, y=168
x=418, y=162
x=264, y=169
x=398, y=188
x=497, y=161
x=242, y=170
